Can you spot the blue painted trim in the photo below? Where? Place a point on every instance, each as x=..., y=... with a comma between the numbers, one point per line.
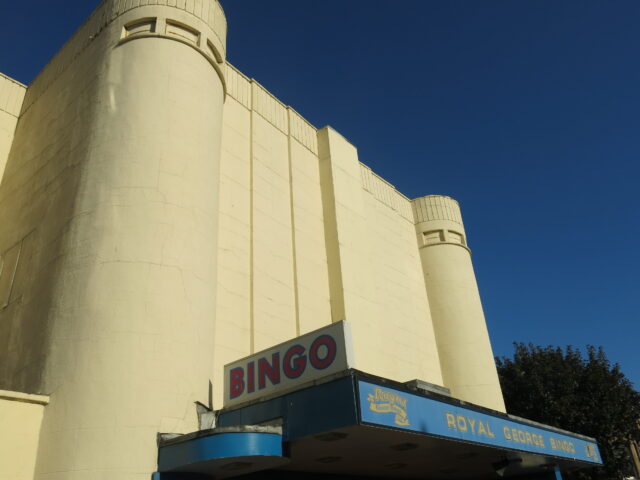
x=308, y=411
x=218, y=446
x=384, y=406
x=556, y=470
x=343, y=402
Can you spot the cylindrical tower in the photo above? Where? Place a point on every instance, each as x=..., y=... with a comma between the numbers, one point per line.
x=467, y=361
x=129, y=118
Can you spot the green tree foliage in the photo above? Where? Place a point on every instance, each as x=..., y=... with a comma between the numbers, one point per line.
x=583, y=395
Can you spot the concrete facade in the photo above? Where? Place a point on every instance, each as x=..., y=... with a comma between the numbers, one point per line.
x=20, y=416
x=162, y=215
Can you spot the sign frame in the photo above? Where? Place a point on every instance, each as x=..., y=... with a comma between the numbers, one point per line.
x=289, y=365
x=387, y=407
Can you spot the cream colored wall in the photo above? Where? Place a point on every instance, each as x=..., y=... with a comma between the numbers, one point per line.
x=311, y=271
x=375, y=272
x=468, y=365
x=114, y=214
x=11, y=97
x=401, y=307
x=274, y=315
x=20, y=418
x=233, y=309
x=277, y=208
x=273, y=281
x=291, y=207
x=155, y=234
x=278, y=203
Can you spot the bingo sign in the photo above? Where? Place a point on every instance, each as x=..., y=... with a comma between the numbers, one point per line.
x=288, y=365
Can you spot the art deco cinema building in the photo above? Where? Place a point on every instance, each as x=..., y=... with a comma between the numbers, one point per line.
x=162, y=216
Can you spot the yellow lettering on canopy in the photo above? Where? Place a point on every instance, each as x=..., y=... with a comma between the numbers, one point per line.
x=481, y=429
x=506, y=433
x=462, y=423
x=472, y=422
x=590, y=450
x=451, y=420
x=383, y=401
x=489, y=432
x=564, y=445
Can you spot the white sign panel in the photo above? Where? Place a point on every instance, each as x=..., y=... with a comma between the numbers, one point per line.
x=306, y=358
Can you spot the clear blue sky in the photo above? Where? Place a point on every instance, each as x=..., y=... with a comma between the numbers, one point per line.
x=527, y=112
